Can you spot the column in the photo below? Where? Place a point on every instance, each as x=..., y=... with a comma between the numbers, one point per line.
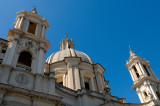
x=26, y=26
x=70, y=78
x=141, y=67
x=37, y=29
x=138, y=69
x=33, y=65
x=21, y=23
x=82, y=82
x=8, y=58
x=43, y=30
x=77, y=79
x=92, y=83
x=64, y=80
x=40, y=62
x=99, y=82
x=134, y=74
x=17, y=22
x=131, y=74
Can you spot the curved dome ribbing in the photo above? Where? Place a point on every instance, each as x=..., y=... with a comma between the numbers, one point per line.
x=60, y=55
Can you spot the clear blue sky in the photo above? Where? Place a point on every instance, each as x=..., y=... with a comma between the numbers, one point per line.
x=103, y=29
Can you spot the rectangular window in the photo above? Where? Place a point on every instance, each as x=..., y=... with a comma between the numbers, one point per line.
x=158, y=94
x=87, y=85
x=32, y=27
x=146, y=70
x=137, y=74
x=145, y=93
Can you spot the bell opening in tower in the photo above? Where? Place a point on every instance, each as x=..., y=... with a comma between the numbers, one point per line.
x=146, y=70
x=137, y=74
x=25, y=58
x=32, y=27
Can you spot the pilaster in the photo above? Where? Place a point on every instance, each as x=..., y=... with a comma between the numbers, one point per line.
x=26, y=25
x=77, y=78
x=8, y=58
x=70, y=77
x=41, y=61
x=17, y=22
x=38, y=81
x=21, y=23
x=5, y=72
x=52, y=86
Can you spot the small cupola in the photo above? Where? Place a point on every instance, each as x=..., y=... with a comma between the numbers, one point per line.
x=66, y=43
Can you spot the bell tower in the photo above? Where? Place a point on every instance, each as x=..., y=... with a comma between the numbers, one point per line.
x=146, y=84
x=27, y=44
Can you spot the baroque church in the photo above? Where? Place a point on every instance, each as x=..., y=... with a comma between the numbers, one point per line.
x=68, y=77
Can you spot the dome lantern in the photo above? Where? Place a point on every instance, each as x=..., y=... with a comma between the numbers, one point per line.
x=66, y=43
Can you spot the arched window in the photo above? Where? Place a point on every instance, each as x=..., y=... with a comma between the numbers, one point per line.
x=25, y=58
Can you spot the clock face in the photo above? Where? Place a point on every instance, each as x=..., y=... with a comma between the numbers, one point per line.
x=22, y=79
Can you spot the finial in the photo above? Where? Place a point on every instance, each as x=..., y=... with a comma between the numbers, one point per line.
x=66, y=36
x=131, y=52
x=129, y=47
x=34, y=10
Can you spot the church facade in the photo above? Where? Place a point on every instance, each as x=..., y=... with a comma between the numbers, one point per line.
x=67, y=78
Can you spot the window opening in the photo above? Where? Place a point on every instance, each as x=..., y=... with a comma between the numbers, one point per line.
x=158, y=94
x=32, y=27
x=25, y=58
x=145, y=93
x=61, y=83
x=137, y=74
x=3, y=51
x=146, y=70
x=87, y=85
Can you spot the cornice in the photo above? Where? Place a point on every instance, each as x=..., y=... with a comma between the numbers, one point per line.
x=32, y=94
x=135, y=59
x=140, y=81
x=31, y=14
x=99, y=67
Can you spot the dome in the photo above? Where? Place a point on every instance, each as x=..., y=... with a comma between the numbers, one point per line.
x=69, y=52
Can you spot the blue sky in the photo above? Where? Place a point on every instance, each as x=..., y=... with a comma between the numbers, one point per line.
x=103, y=29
